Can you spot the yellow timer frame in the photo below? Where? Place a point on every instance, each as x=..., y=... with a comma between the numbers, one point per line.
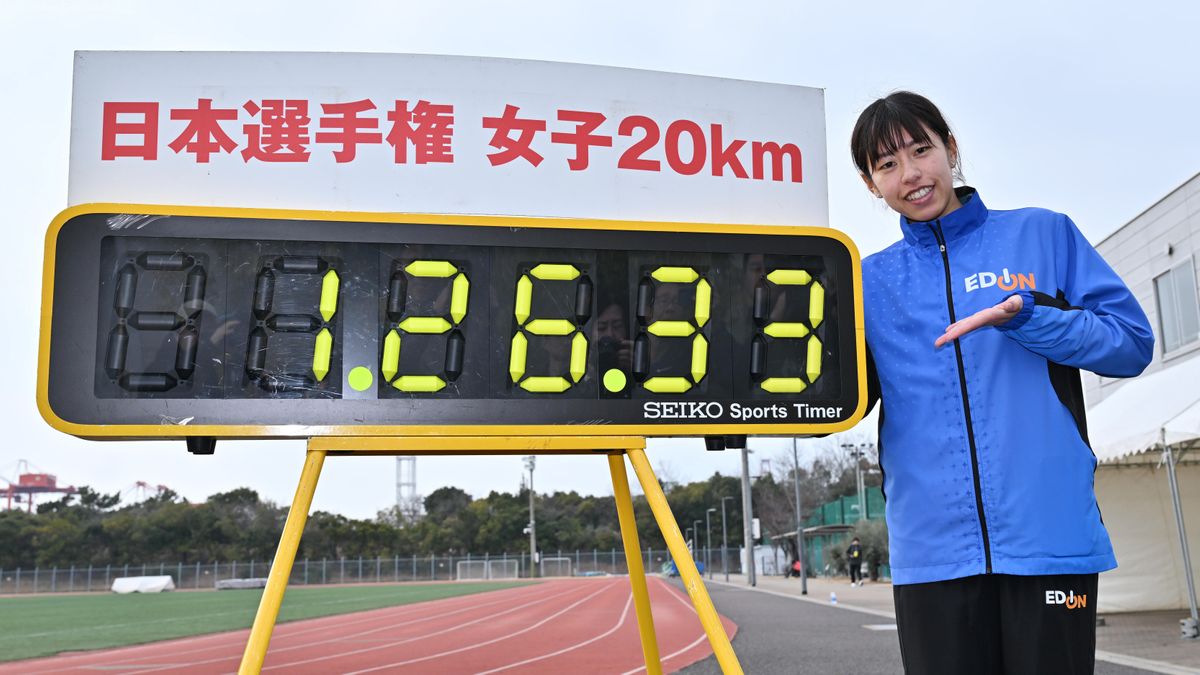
x=766, y=338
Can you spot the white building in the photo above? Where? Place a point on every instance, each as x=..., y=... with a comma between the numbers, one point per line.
x=1156, y=254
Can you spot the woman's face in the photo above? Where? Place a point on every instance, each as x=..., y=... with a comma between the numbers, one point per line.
x=916, y=180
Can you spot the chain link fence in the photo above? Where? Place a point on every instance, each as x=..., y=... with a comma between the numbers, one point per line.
x=360, y=570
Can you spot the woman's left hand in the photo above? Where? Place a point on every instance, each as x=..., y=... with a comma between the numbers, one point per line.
x=992, y=316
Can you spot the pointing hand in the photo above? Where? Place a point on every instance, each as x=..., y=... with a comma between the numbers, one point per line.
x=992, y=316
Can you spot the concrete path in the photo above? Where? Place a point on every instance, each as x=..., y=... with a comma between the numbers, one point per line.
x=858, y=633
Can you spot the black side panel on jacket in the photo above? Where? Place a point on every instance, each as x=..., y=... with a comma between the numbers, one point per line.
x=873, y=397
x=1067, y=383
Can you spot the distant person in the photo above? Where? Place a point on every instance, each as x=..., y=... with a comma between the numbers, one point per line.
x=854, y=560
x=796, y=568
x=977, y=323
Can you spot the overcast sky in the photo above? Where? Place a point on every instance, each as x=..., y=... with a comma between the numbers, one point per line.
x=1084, y=108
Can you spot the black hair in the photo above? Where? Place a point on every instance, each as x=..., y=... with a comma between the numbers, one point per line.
x=881, y=126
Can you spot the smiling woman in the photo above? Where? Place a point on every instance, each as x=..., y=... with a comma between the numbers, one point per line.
x=907, y=156
x=989, y=493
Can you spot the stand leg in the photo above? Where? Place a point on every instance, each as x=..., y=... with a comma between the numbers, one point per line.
x=683, y=561
x=281, y=568
x=633, y=558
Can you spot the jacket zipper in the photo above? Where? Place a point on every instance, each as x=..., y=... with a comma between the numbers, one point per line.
x=936, y=227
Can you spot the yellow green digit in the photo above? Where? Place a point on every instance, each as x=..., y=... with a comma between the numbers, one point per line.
x=425, y=384
x=518, y=353
x=391, y=355
x=699, y=358
x=517, y=356
x=545, y=385
x=813, y=363
x=439, y=269
x=460, y=289
x=329, y=294
x=552, y=272
x=459, y=294
x=783, y=385
x=796, y=330
x=816, y=304
x=322, y=349
x=701, y=310
x=667, y=385
x=579, y=346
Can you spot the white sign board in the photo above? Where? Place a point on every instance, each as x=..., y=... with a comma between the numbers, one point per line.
x=443, y=134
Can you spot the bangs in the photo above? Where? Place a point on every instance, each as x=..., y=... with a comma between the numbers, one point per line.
x=881, y=128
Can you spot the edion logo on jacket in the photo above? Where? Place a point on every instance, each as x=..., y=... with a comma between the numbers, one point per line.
x=983, y=442
x=1005, y=281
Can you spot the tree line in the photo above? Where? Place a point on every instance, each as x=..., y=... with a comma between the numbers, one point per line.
x=95, y=528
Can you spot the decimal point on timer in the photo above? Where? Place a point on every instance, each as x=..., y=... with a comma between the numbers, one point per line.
x=614, y=380
x=360, y=378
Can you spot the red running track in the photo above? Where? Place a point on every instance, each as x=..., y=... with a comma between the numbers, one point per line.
x=567, y=625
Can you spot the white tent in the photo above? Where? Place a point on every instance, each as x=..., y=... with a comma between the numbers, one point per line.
x=1134, y=419
x=1146, y=436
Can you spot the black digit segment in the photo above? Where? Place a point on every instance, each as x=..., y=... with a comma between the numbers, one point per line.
x=776, y=295
x=157, y=300
x=402, y=323
x=665, y=317
x=536, y=327
x=290, y=347
x=295, y=326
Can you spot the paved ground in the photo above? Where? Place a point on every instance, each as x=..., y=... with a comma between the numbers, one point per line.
x=781, y=631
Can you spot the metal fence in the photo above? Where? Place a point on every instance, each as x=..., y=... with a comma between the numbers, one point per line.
x=314, y=572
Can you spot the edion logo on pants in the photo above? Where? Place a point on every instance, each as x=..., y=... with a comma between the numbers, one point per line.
x=1070, y=599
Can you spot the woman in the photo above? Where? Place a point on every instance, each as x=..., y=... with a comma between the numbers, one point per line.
x=977, y=323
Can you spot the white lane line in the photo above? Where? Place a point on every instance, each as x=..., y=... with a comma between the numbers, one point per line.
x=236, y=636
x=338, y=639
x=671, y=590
x=397, y=643
x=103, y=668
x=1145, y=664
x=486, y=642
x=610, y=631
x=680, y=596
x=880, y=626
x=281, y=633
x=670, y=656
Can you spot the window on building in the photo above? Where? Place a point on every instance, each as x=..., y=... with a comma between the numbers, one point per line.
x=1178, y=311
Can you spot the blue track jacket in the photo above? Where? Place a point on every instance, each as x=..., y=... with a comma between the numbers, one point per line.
x=983, y=443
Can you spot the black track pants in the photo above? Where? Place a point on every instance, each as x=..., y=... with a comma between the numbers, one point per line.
x=999, y=624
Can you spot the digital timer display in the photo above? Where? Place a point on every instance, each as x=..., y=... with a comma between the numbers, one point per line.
x=193, y=321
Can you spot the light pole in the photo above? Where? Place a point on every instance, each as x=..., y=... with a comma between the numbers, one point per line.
x=856, y=451
x=747, y=518
x=724, y=540
x=799, y=520
x=696, y=533
x=530, y=461
x=708, y=539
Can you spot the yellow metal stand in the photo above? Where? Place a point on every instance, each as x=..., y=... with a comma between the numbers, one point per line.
x=281, y=567
x=684, y=563
x=613, y=447
x=633, y=558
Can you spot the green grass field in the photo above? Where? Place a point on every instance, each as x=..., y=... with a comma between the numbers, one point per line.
x=43, y=625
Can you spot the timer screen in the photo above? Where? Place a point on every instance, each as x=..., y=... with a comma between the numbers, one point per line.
x=221, y=320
